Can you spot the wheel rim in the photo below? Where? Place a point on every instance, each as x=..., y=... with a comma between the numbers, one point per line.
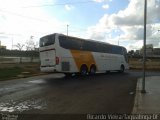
x=83, y=70
x=92, y=70
x=122, y=69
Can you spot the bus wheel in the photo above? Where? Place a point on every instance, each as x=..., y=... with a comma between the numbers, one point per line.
x=92, y=70
x=121, y=69
x=84, y=70
x=68, y=75
x=108, y=71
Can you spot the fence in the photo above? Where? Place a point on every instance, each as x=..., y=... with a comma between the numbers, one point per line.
x=18, y=59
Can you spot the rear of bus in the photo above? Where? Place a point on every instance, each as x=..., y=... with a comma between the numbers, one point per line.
x=47, y=49
x=125, y=58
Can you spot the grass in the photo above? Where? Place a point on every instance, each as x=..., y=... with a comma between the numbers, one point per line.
x=18, y=70
x=9, y=72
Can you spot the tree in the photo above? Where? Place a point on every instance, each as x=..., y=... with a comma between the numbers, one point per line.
x=31, y=45
x=131, y=53
x=20, y=47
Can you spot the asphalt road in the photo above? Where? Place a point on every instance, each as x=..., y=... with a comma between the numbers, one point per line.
x=55, y=94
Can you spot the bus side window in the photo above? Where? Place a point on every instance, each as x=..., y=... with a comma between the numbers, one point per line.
x=113, y=50
x=70, y=42
x=63, y=42
x=117, y=50
x=108, y=49
x=99, y=47
x=89, y=46
x=76, y=44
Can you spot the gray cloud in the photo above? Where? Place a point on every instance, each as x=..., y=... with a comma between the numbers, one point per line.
x=130, y=22
x=98, y=36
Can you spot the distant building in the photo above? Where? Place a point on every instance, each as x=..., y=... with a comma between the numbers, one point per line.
x=149, y=46
x=137, y=52
x=156, y=51
x=149, y=50
x=37, y=49
x=2, y=46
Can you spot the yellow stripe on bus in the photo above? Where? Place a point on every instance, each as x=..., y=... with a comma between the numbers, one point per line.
x=83, y=57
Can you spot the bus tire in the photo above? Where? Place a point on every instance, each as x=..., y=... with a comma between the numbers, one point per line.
x=68, y=75
x=108, y=71
x=122, y=68
x=83, y=70
x=92, y=70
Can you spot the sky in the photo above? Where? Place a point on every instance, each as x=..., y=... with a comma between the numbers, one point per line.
x=112, y=21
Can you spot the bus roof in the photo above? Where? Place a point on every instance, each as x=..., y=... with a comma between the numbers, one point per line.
x=83, y=39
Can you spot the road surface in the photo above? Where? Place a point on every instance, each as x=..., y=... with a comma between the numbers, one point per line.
x=56, y=94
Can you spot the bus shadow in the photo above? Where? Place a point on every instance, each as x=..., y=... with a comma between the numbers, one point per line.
x=81, y=79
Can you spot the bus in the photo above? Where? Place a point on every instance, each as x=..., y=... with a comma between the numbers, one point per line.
x=68, y=55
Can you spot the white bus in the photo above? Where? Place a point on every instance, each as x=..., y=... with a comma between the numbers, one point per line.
x=66, y=54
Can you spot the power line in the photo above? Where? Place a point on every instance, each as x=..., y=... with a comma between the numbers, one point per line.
x=58, y=4
x=11, y=34
x=45, y=5
x=20, y=15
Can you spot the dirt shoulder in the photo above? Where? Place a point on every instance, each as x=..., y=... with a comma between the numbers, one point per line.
x=151, y=64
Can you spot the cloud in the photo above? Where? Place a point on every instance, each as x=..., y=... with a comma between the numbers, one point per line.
x=135, y=46
x=14, y=19
x=129, y=23
x=69, y=7
x=105, y=6
x=98, y=0
x=99, y=36
x=102, y=1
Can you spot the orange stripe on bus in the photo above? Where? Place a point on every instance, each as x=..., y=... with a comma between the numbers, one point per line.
x=83, y=57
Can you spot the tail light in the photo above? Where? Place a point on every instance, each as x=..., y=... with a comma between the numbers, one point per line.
x=57, y=60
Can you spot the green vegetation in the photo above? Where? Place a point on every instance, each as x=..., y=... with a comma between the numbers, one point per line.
x=9, y=72
x=18, y=53
x=18, y=70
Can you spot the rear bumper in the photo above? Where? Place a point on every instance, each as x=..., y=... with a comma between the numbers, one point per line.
x=48, y=69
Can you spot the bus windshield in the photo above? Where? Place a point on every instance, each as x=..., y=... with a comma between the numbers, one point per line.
x=47, y=40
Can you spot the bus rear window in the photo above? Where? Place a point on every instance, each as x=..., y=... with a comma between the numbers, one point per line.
x=47, y=40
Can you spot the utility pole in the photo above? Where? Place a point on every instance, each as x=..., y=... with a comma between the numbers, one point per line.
x=67, y=29
x=12, y=42
x=144, y=47
x=118, y=39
